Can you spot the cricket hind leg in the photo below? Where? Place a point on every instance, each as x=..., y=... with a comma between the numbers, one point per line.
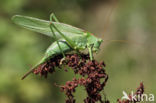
x=52, y=16
x=70, y=42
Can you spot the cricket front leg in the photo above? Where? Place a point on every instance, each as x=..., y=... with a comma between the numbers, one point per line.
x=90, y=51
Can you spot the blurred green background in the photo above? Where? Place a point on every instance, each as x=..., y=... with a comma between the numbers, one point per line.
x=127, y=63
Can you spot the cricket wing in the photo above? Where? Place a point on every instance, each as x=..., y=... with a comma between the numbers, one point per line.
x=42, y=26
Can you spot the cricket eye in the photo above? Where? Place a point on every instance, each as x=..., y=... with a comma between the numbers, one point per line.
x=100, y=40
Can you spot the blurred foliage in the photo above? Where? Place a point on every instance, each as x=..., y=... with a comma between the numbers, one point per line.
x=127, y=63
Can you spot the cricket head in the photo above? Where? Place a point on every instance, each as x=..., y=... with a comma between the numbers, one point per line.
x=94, y=42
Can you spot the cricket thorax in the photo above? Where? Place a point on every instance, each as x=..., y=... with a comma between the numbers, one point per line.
x=80, y=42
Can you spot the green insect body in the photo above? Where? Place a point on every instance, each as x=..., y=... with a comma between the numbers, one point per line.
x=54, y=50
x=67, y=38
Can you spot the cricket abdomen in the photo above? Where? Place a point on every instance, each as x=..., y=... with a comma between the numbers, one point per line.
x=54, y=50
x=51, y=52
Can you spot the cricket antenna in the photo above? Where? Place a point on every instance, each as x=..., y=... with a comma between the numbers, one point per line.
x=124, y=41
x=109, y=15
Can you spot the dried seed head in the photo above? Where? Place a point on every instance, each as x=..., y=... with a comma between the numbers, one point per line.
x=92, y=73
